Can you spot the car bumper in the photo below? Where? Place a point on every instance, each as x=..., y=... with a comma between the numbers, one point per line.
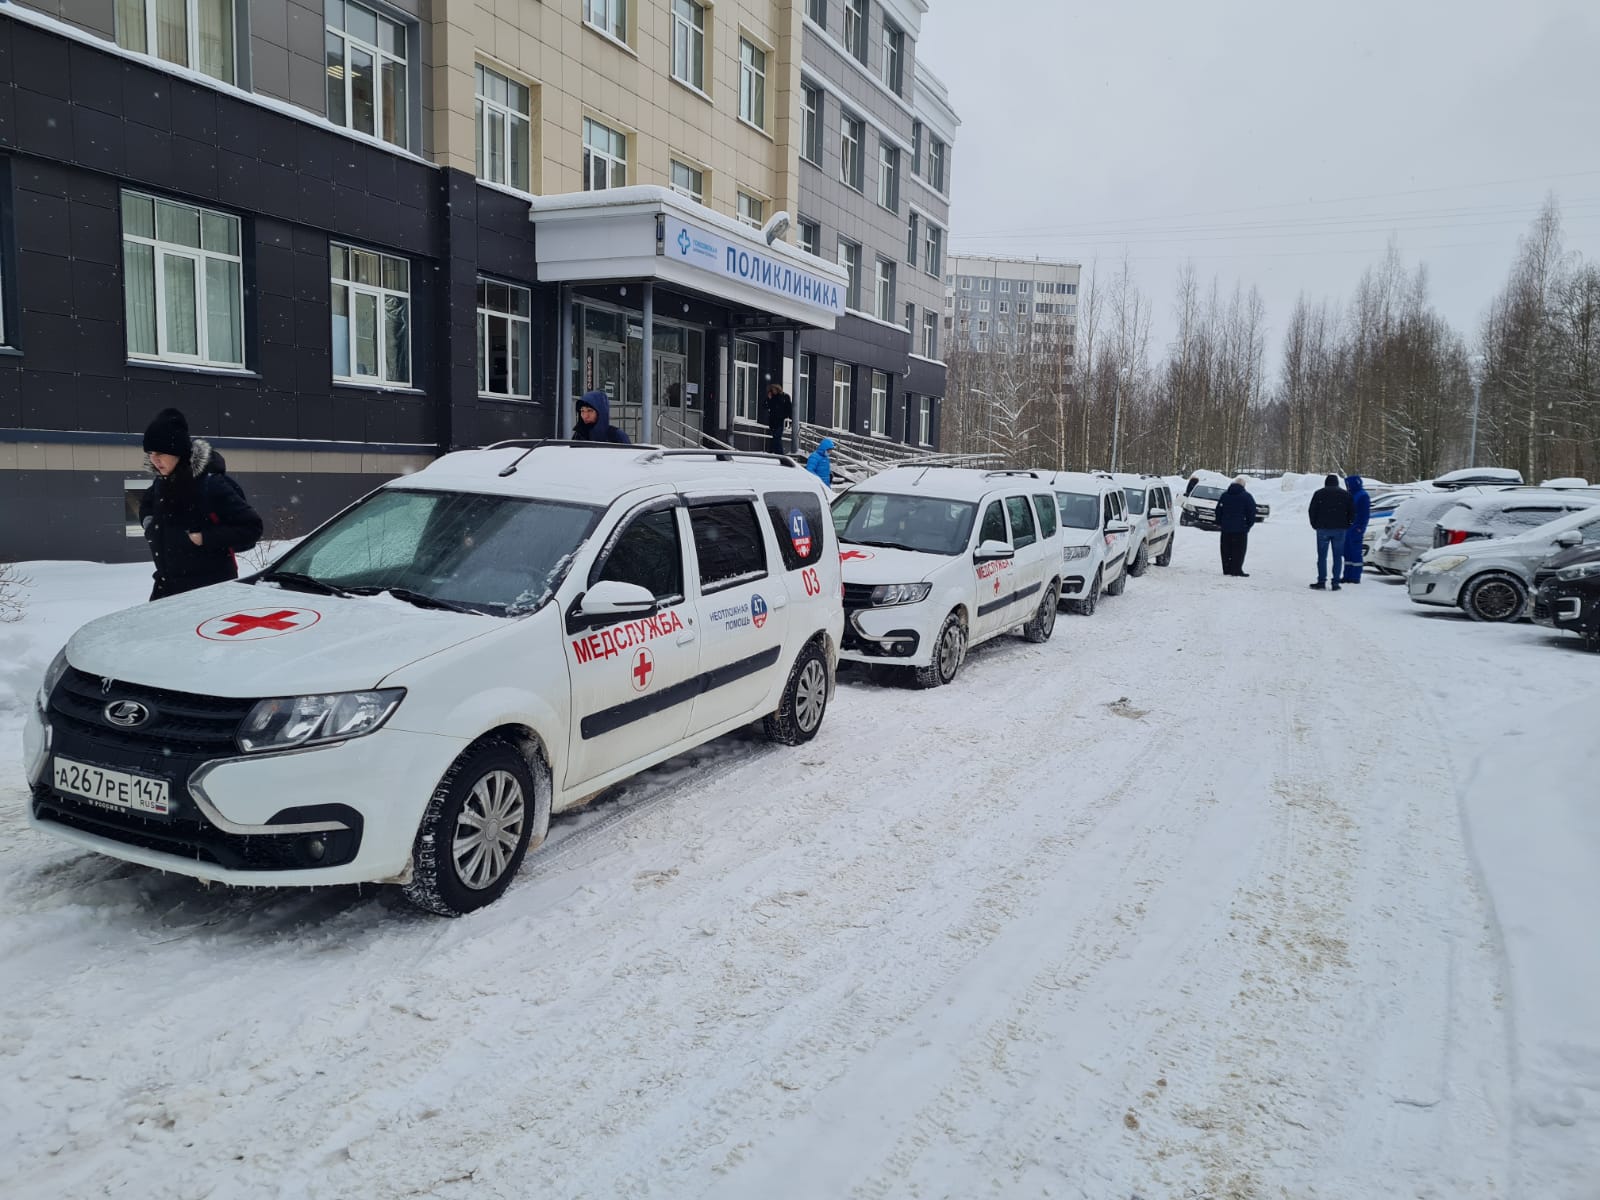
x=345, y=813
x=895, y=634
x=1388, y=558
x=1556, y=607
x=1433, y=587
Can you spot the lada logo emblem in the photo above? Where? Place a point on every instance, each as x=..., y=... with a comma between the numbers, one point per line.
x=126, y=714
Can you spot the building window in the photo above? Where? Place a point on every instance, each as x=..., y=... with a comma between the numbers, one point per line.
x=605, y=157
x=841, y=396
x=371, y=316
x=751, y=210
x=1022, y=308
x=883, y=291
x=911, y=318
x=850, y=260
x=1005, y=306
x=855, y=28
x=688, y=181
x=933, y=250
x=1072, y=289
x=930, y=334
x=894, y=55
x=880, y=403
x=746, y=379
x=924, y=421
x=985, y=285
x=817, y=10
x=368, y=84
x=916, y=147
x=689, y=43
x=752, y=84
x=505, y=334
x=810, y=236
x=802, y=387
x=851, y=134
x=503, y=129
x=811, y=123
x=966, y=304
x=1005, y=285
x=608, y=16
x=936, y=153
x=888, y=177
x=1024, y=287
x=911, y=240
x=198, y=34
x=983, y=327
x=983, y=306
x=966, y=281
x=183, y=282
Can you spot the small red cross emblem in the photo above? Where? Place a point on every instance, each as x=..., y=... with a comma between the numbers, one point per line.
x=997, y=585
x=253, y=626
x=644, y=666
x=853, y=555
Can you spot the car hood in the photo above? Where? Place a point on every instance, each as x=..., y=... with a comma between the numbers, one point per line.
x=244, y=641
x=881, y=564
x=1080, y=537
x=1571, y=557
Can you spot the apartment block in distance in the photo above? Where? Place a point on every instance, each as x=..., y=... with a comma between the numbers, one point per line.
x=1011, y=304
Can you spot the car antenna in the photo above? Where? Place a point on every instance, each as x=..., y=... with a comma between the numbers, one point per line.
x=517, y=462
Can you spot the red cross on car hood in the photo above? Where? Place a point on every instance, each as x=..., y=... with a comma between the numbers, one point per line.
x=235, y=639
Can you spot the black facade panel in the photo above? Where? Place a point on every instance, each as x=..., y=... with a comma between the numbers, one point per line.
x=924, y=377
x=43, y=63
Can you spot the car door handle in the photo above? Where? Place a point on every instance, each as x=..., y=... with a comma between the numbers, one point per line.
x=779, y=600
x=687, y=636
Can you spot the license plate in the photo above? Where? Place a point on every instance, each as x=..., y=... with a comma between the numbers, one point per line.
x=117, y=789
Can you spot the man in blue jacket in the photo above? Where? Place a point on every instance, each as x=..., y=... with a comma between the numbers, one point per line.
x=1355, y=539
x=594, y=420
x=1236, y=516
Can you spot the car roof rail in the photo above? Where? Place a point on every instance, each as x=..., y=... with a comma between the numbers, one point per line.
x=658, y=453
x=529, y=445
x=1031, y=474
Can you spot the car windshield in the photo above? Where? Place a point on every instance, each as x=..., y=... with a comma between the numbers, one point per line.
x=1079, y=510
x=1207, y=492
x=1135, y=500
x=924, y=523
x=502, y=555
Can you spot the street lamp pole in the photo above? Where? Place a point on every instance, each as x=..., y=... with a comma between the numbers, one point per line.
x=1116, y=419
x=1476, y=363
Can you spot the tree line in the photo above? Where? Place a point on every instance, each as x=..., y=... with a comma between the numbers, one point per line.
x=1381, y=385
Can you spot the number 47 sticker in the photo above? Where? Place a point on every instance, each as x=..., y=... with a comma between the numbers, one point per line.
x=799, y=533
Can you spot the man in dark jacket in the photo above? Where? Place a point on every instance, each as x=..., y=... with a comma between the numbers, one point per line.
x=1236, y=516
x=594, y=420
x=779, y=409
x=1330, y=514
x=1355, y=550
x=195, y=516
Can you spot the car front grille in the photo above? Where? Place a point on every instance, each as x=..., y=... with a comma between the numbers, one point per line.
x=179, y=721
x=858, y=595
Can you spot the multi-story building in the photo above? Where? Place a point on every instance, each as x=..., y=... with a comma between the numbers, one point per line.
x=996, y=303
x=345, y=237
x=875, y=147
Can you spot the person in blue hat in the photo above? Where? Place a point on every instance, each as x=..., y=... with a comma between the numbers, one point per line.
x=819, y=464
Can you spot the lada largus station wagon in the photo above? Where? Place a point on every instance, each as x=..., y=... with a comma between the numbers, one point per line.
x=938, y=559
x=1094, y=538
x=409, y=693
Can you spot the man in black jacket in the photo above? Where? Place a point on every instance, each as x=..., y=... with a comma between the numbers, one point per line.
x=1236, y=516
x=779, y=409
x=195, y=516
x=1331, y=513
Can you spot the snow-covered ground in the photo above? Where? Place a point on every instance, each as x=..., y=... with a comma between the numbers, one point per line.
x=1232, y=890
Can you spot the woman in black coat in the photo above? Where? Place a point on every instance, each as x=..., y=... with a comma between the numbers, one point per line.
x=195, y=516
x=1236, y=516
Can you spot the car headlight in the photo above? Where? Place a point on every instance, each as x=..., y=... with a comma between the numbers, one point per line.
x=52, y=676
x=887, y=594
x=307, y=720
x=1068, y=553
x=1578, y=571
x=1448, y=562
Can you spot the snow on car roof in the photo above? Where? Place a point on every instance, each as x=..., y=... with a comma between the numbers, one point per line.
x=598, y=473
x=1487, y=474
x=949, y=483
x=1496, y=509
x=1081, y=481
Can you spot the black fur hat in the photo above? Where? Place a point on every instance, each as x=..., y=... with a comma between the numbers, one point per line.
x=167, y=434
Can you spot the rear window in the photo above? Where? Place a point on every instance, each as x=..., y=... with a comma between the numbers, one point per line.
x=797, y=523
x=1022, y=533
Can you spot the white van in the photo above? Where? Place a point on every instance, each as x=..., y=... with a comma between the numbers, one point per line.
x=938, y=559
x=1153, y=524
x=1095, y=535
x=409, y=693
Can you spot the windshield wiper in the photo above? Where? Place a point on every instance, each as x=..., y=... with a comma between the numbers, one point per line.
x=420, y=599
x=304, y=583
x=892, y=546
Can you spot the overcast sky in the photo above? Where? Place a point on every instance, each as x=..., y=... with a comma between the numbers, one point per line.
x=1271, y=141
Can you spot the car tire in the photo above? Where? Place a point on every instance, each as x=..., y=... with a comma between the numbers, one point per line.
x=490, y=789
x=1164, y=559
x=949, y=652
x=1495, y=596
x=1086, y=606
x=1121, y=585
x=805, y=699
x=1141, y=561
x=1043, y=623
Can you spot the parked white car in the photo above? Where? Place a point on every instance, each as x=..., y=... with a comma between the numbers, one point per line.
x=409, y=693
x=1410, y=530
x=1491, y=580
x=939, y=559
x=1095, y=536
x=1154, y=524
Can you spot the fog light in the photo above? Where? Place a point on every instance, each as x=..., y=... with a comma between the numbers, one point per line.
x=315, y=849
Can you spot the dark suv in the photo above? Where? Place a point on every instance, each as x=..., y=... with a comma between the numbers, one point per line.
x=1566, y=594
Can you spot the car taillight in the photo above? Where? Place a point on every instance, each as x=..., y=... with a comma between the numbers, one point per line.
x=1457, y=536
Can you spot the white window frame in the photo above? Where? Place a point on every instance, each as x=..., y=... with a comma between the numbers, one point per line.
x=855, y=29
x=850, y=259
x=811, y=105
x=607, y=155
x=879, y=417
x=511, y=118
x=924, y=419
x=983, y=306
x=1005, y=285
x=883, y=290
x=149, y=10
x=746, y=380
x=751, y=209
x=913, y=236
x=199, y=257
x=381, y=294
x=966, y=304
x=695, y=185
x=809, y=236
x=609, y=17
x=752, y=84
x=936, y=164
x=888, y=176
x=930, y=334
x=1024, y=287
x=513, y=321
x=1003, y=306
x=688, y=51
x=852, y=135
x=911, y=318
x=894, y=58
x=985, y=285
x=381, y=57
x=842, y=388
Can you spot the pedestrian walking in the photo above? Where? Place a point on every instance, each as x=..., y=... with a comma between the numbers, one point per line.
x=194, y=515
x=594, y=420
x=1236, y=516
x=1194, y=482
x=1331, y=514
x=819, y=464
x=1355, y=549
x=780, y=407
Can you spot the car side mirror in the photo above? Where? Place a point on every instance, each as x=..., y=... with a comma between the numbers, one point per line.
x=1118, y=527
x=612, y=597
x=1572, y=537
x=992, y=551
x=1157, y=513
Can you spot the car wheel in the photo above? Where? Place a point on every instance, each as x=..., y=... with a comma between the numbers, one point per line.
x=1121, y=584
x=805, y=699
x=1164, y=559
x=949, y=651
x=483, y=815
x=1043, y=623
x=1141, y=562
x=1495, y=596
x=1086, y=606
